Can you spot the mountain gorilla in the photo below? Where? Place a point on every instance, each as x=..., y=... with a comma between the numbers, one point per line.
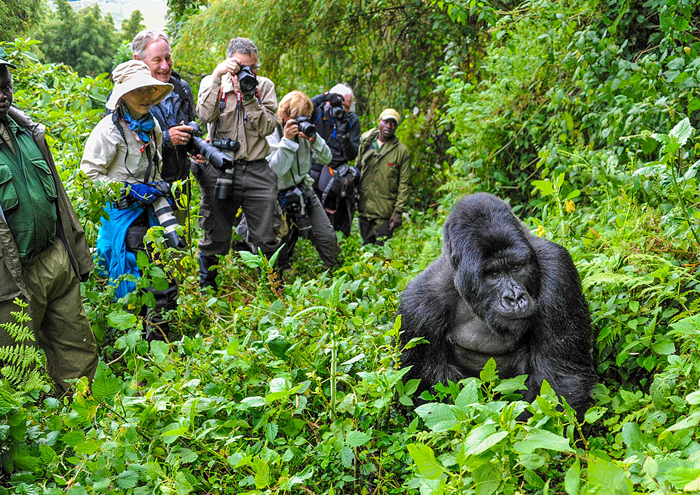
x=498, y=291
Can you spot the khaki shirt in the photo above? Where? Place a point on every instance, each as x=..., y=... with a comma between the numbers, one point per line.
x=248, y=125
x=108, y=158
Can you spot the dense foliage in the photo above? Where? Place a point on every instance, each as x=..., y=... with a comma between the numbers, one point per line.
x=581, y=113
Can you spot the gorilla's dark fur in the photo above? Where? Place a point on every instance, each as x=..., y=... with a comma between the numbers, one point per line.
x=498, y=291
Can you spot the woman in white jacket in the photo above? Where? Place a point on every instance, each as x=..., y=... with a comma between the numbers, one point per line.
x=294, y=144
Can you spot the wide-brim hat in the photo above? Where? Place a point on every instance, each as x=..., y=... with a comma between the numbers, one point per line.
x=3, y=59
x=132, y=75
x=390, y=113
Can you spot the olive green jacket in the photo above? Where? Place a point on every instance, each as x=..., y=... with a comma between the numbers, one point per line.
x=385, y=179
x=68, y=230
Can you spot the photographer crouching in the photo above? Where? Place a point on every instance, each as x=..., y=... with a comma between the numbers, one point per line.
x=239, y=107
x=294, y=143
x=335, y=183
x=126, y=147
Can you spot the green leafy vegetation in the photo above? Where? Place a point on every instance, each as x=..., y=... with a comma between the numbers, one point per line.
x=582, y=114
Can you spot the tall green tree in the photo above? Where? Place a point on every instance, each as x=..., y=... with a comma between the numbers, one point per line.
x=132, y=26
x=84, y=40
x=17, y=17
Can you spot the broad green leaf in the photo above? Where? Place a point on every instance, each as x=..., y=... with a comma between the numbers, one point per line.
x=255, y=401
x=689, y=422
x=73, y=438
x=182, y=485
x=101, y=485
x=545, y=186
x=279, y=385
x=346, y=456
x=469, y=395
x=487, y=479
x=122, y=320
x=489, y=442
x=489, y=373
x=511, y=385
x=271, y=430
x=542, y=439
x=437, y=416
x=425, y=460
x=357, y=438
x=682, y=131
x=572, y=480
x=104, y=386
x=262, y=473
x=607, y=477
x=159, y=350
x=477, y=436
x=127, y=479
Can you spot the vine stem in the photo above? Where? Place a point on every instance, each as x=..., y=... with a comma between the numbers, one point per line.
x=680, y=200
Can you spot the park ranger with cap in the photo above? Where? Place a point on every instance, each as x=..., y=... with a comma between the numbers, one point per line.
x=43, y=250
x=385, y=179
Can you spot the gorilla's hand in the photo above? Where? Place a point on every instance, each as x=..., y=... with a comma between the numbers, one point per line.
x=395, y=221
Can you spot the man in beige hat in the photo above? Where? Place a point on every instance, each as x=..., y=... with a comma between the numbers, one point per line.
x=43, y=251
x=385, y=179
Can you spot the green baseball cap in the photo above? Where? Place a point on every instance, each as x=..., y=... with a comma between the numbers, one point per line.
x=3, y=59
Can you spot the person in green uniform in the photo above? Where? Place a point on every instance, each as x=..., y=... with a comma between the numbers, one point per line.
x=385, y=179
x=43, y=251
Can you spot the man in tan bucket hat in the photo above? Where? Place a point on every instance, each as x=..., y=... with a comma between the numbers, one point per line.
x=43, y=251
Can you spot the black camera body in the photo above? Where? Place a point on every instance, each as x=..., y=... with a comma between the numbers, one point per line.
x=220, y=160
x=247, y=81
x=338, y=112
x=226, y=144
x=297, y=202
x=305, y=126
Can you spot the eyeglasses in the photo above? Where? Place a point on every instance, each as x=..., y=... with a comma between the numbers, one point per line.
x=148, y=90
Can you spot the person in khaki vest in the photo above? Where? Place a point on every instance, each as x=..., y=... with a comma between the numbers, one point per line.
x=385, y=179
x=240, y=106
x=43, y=251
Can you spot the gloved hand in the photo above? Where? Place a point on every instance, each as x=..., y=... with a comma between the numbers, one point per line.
x=395, y=221
x=161, y=186
x=143, y=193
x=333, y=98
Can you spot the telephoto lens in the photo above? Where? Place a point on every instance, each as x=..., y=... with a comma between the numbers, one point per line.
x=305, y=126
x=167, y=220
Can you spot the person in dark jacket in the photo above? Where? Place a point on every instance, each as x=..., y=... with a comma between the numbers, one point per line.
x=153, y=48
x=43, y=250
x=339, y=126
x=385, y=168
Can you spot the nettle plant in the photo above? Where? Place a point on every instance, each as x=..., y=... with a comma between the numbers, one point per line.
x=669, y=175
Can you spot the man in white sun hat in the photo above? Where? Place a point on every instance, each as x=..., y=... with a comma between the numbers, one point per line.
x=125, y=147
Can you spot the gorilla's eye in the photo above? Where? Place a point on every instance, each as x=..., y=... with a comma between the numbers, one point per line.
x=516, y=267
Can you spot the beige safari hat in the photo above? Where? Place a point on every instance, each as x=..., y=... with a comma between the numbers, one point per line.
x=390, y=113
x=132, y=75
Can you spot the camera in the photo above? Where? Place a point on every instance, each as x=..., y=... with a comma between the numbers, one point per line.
x=305, y=126
x=220, y=160
x=226, y=144
x=296, y=201
x=338, y=112
x=247, y=81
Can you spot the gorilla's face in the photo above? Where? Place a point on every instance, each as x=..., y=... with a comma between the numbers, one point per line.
x=496, y=269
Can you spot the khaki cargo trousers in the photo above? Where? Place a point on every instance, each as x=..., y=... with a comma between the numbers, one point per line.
x=59, y=321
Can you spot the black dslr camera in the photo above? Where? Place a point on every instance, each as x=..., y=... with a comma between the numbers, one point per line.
x=305, y=126
x=297, y=201
x=337, y=108
x=220, y=160
x=247, y=80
